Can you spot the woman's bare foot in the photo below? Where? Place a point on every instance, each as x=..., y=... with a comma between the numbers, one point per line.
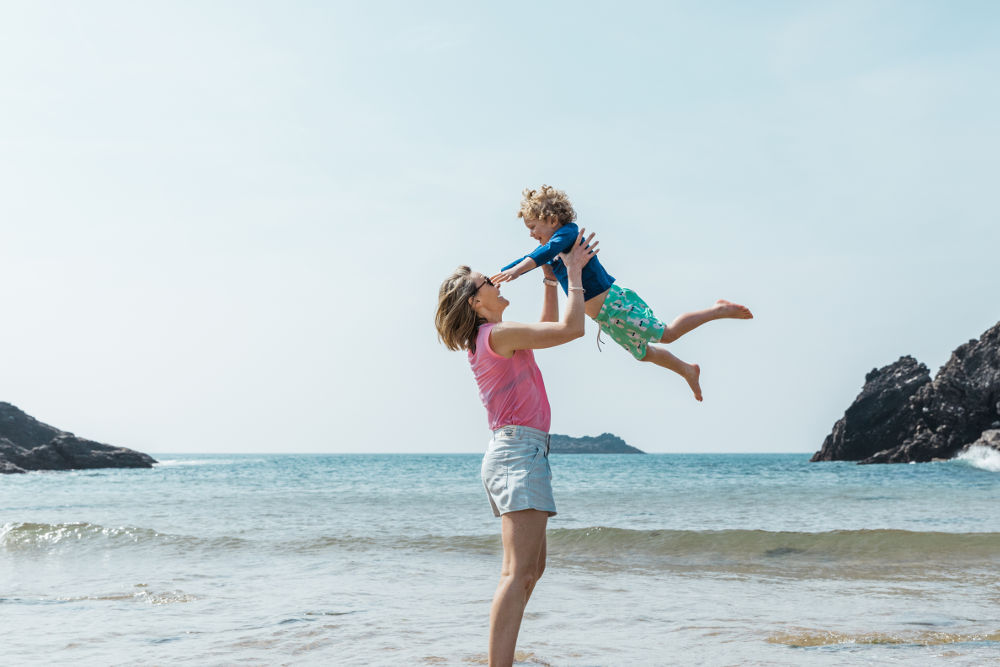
x=691, y=374
x=728, y=309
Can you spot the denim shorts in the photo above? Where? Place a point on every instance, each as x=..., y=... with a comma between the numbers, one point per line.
x=516, y=471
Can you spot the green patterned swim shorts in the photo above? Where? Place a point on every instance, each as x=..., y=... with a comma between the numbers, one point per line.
x=629, y=321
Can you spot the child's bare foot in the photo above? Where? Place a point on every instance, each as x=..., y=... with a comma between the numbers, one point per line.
x=691, y=374
x=732, y=310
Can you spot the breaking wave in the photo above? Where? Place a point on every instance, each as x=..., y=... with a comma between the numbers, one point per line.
x=849, y=553
x=982, y=457
x=875, y=545
x=24, y=536
x=143, y=596
x=167, y=463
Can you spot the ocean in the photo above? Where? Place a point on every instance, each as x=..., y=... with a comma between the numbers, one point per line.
x=393, y=559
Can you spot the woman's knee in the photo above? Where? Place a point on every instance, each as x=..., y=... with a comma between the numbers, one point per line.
x=520, y=579
x=525, y=572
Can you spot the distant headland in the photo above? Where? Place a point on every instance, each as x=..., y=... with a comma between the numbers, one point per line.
x=28, y=444
x=605, y=443
x=903, y=416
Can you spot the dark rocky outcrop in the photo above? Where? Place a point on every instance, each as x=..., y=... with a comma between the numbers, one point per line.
x=990, y=438
x=879, y=417
x=901, y=415
x=28, y=444
x=606, y=443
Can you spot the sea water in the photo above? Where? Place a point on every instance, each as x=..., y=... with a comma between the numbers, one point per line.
x=393, y=560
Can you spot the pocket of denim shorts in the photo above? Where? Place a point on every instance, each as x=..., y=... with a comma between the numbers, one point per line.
x=532, y=463
x=519, y=461
x=539, y=453
x=544, y=462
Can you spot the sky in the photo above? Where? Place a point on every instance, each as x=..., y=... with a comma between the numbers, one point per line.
x=223, y=225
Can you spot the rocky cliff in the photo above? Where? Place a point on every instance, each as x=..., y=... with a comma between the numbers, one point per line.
x=606, y=443
x=28, y=444
x=902, y=415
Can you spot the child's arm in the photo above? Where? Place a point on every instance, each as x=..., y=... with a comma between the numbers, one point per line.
x=514, y=269
x=561, y=241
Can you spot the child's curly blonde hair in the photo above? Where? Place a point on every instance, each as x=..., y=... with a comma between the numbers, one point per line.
x=540, y=204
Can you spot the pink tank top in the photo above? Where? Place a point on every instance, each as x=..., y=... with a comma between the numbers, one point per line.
x=511, y=389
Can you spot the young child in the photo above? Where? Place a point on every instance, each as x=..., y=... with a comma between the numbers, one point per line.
x=620, y=313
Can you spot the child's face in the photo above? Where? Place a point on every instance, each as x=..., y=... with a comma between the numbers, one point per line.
x=542, y=229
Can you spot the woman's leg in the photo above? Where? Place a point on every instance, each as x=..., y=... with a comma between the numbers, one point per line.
x=539, y=566
x=721, y=310
x=523, y=535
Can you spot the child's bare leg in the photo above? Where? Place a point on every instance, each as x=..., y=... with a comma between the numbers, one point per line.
x=690, y=372
x=721, y=310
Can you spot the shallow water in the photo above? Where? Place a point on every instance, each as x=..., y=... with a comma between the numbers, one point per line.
x=358, y=560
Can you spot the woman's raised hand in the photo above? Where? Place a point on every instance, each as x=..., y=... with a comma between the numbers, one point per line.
x=581, y=252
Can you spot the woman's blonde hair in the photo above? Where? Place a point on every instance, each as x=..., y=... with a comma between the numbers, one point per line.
x=456, y=322
x=540, y=204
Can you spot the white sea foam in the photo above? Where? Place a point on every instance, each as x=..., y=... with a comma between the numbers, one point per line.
x=193, y=462
x=980, y=456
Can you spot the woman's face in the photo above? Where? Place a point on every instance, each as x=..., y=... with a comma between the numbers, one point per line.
x=487, y=294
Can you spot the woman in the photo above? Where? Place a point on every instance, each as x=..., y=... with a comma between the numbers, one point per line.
x=515, y=469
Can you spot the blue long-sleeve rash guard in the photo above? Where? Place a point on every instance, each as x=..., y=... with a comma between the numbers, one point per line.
x=595, y=279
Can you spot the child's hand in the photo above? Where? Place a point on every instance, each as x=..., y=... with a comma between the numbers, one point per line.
x=581, y=253
x=505, y=276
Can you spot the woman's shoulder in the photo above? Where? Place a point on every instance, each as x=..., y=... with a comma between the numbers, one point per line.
x=483, y=346
x=507, y=339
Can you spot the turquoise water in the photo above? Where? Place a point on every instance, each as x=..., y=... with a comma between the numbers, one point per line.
x=393, y=559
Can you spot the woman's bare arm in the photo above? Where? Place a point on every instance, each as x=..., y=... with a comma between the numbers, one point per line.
x=550, y=297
